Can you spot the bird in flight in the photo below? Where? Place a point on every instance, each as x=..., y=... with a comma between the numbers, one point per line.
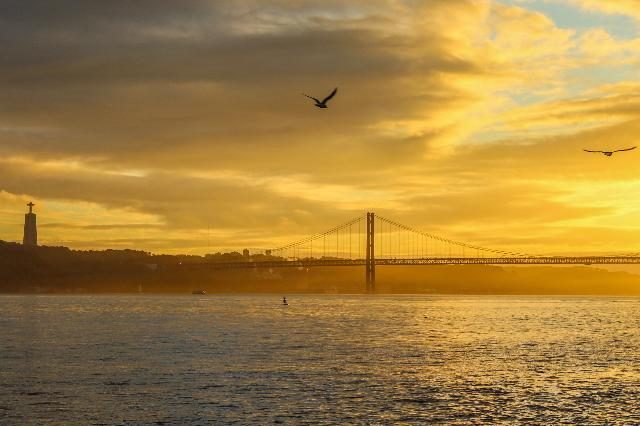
x=610, y=153
x=323, y=103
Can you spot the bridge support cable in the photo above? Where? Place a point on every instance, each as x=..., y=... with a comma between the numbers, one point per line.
x=408, y=244
x=405, y=245
x=343, y=248
x=402, y=243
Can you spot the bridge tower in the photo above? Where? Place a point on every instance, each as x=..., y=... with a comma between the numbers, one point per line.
x=370, y=263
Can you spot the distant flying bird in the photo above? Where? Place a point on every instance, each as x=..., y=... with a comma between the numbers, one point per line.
x=610, y=153
x=323, y=103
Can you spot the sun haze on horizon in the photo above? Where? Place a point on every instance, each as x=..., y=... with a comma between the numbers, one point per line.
x=180, y=127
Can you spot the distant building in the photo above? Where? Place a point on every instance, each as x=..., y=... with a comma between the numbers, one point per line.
x=245, y=252
x=30, y=228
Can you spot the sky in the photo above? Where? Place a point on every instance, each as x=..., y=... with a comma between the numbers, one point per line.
x=180, y=127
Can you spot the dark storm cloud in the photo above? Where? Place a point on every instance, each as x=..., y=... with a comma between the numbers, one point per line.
x=131, y=81
x=67, y=42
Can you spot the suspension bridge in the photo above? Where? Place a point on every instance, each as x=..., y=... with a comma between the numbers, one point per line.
x=370, y=240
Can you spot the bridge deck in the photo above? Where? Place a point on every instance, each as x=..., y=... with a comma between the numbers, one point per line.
x=302, y=263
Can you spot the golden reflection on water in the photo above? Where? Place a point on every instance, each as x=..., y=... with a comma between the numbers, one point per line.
x=322, y=359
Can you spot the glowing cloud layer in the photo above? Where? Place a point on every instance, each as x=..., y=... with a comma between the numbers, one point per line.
x=180, y=127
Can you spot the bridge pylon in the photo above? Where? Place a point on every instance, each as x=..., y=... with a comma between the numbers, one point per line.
x=370, y=262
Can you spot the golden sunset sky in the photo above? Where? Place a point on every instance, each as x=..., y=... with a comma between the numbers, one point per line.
x=179, y=126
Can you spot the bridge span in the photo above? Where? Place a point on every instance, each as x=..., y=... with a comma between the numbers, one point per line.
x=371, y=241
x=310, y=263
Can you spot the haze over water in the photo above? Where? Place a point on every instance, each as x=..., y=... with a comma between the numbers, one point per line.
x=321, y=360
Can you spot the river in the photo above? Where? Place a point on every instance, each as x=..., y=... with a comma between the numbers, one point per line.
x=247, y=359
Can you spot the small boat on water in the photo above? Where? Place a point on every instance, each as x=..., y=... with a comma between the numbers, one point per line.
x=199, y=292
x=284, y=301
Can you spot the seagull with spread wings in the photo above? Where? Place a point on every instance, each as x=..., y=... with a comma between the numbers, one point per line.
x=323, y=103
x=610, y=153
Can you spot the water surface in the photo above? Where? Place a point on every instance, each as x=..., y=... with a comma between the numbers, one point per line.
x=321, y=360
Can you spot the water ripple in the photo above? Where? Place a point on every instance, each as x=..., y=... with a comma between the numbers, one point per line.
x=322, y=360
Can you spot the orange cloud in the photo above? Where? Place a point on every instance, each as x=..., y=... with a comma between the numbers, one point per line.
x=165, y=126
